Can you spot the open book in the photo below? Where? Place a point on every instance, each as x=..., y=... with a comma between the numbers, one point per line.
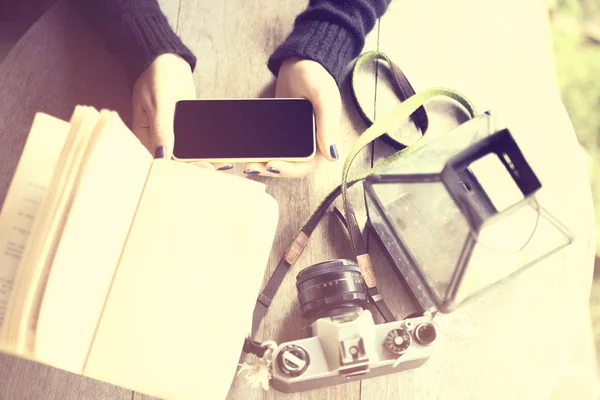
x=138, y=272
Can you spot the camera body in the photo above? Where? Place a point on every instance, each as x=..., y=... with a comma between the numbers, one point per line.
x=346, y=344
x=351, y=347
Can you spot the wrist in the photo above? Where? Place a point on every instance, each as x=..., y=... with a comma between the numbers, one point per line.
x=172, y=59
x=140, y=40
x=295, y=62
x=330, y=45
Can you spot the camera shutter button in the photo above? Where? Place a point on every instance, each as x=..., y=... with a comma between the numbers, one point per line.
x=425, y=333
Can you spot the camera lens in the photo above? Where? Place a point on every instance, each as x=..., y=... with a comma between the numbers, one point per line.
x=331, y=288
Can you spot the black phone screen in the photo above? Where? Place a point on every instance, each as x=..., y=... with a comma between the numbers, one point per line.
x=256, y=128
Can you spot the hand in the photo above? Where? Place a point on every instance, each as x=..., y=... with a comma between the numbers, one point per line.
x=155, y=93
x=299, y=78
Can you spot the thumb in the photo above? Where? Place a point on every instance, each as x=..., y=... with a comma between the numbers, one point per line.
x=161, y=128
x=141, y=127
x=327, y=111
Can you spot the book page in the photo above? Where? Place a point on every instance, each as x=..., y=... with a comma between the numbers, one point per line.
x=106, y=196
x=26, y=193
x=23, y=305
x=182, y=300
x=35, y=263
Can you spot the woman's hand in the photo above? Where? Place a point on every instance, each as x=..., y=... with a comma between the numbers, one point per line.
x=155, y=93
x=298, y=78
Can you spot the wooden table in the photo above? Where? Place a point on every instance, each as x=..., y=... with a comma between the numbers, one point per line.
x=497, y=53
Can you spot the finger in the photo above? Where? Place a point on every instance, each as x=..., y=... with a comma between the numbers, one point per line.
x=255, y=168
x=161, y=127
x=285, y=169
x=141, y=127
x=327, y=111
x=204, y=164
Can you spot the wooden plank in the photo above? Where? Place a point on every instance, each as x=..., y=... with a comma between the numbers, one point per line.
x=55, y=66
x=141, y=396
x=25, y=380
x=501, y=59
x=10, y=33
x=171, y=10
x=24, y=10
x=233, y=41
x=49, y=58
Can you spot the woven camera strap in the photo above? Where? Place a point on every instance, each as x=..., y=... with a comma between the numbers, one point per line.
x=402, y=88
x=410, y=107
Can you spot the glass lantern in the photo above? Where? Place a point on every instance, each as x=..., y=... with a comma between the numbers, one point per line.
x=460, y=214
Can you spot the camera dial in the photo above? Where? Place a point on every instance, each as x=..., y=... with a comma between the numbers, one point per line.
x=398, y=341
x=293, y=360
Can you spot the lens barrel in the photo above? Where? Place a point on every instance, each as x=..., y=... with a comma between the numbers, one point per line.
x=331, y=288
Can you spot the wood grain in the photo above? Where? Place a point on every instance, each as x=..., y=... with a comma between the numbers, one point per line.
x=140, y=396
x=170, y=9
x=25, y=380
x=52, y=68
x=10, y=33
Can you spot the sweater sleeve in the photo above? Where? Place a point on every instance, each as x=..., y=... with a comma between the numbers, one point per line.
x=135, y=31
x=330, y=32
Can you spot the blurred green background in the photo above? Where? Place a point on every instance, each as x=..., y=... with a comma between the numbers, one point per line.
x=576, y=37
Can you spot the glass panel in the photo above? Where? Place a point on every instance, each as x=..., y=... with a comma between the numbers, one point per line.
x=431, y=227
x=507, y=243
x=397, y=257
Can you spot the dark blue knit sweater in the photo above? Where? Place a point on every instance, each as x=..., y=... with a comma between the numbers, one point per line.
x=331, y=32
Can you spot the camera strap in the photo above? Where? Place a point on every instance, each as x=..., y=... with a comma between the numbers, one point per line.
x=410, y=107
x=402, y=88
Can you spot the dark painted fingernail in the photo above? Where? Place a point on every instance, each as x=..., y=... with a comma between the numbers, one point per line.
x=273, y=170
x=226, y=168
x=251, y=172
x=333, y=151
x=161, y=152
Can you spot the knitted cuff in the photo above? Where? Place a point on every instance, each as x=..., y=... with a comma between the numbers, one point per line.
x=324, y=42
x=140, y=40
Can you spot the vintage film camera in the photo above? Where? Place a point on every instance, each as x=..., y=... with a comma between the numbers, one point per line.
x=455, y=217
x=346, y=344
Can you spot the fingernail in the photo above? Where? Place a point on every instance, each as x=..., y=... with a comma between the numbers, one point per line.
x=160, y=152
x=226, y=168
x=251, y=172
x=333, y=151
x=273, y=170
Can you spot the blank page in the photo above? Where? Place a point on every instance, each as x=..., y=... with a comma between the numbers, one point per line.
x=182, y=300
x=107, y=194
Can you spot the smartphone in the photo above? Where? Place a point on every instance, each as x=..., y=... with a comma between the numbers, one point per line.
x=244, y=130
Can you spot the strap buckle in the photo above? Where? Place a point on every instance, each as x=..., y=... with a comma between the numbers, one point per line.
x=254, y=347
x=264, y=300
